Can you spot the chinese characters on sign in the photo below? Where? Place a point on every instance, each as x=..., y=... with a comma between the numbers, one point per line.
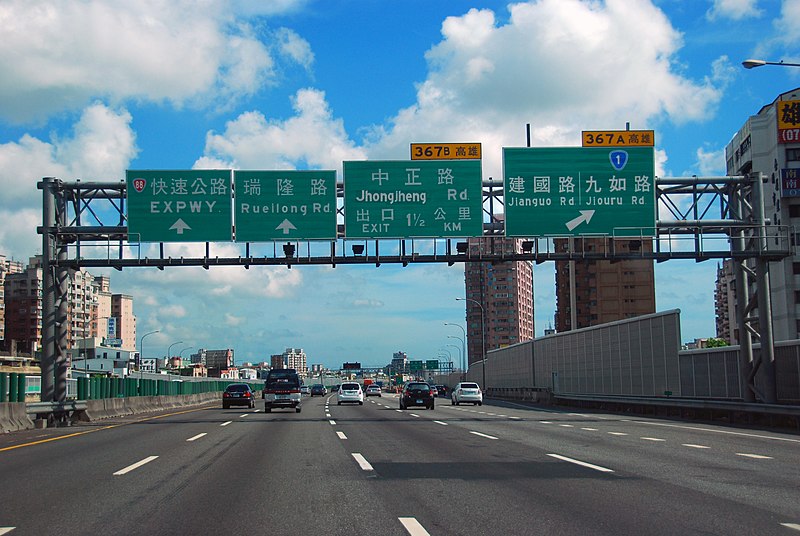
x=292, y=205
x=790, y=182
x=413, y=199
x=571, y=191
x=788, y=121
x=179, y=206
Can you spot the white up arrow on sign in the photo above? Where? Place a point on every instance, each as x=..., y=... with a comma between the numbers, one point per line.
x=586, y=216
x=286, y=226
x=179, y=226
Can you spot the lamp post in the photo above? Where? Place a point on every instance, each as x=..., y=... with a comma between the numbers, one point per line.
x=180, y=354
x=752, y=64
x=141, y=348
x=483, y=337
x=169, y=349
x=460, y=355
x=463, y=348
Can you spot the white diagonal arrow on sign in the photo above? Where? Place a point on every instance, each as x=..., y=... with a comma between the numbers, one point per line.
x=179, y=226
x=286, y=226
x=586, y=216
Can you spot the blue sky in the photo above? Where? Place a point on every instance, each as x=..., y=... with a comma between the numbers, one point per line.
x=90, y=89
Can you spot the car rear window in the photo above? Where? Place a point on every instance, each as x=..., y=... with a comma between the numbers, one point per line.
x=419, y=386
x=469, y=385
x=237, y=388
x=350, y=386
x=283, y=379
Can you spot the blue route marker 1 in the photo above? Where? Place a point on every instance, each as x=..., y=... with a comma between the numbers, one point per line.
x=618, y=159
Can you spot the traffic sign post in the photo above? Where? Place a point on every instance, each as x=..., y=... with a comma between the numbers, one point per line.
x=413, y=199
x=285, y=205
x=179, y=206
x=571, y=191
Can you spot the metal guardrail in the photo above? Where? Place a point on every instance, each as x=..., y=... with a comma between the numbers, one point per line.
x=46, y=408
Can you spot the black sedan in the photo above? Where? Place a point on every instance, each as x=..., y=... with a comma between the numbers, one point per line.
x=238, y=394
x=416, y=394
x=318, y=389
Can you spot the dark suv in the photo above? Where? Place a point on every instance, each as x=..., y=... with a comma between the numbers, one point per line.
x=282, y=390
x=416, y=394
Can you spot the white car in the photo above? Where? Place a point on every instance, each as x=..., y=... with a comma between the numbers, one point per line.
x=305, y=390
x=466, y=392
x=350, y=392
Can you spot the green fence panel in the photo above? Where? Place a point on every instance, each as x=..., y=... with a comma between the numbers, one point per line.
x=13, y=387
x=21, y=388
x=3, y=386
x=82, y=388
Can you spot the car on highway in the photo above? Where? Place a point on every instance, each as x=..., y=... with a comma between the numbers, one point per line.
x=350, y=392
x=434, y=391
x=305, y=390
x=441, y=391
x=416, y=394
x=373, y=390
x=466, y=392
x=238, y=394
x=282, y=390
x=318, y=389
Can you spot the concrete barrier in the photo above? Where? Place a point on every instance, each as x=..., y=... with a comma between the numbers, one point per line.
x=118, y=407
x=13, y=417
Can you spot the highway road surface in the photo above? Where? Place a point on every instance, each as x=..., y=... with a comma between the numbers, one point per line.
x=498, y=469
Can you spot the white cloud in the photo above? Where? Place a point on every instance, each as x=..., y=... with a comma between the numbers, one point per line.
x=733, y=9
x=574, y=67
x=711, y=163
x=100, y=147
x=313, y=137
x=61, y=54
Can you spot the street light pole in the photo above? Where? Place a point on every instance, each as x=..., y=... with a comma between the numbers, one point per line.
x=460, y=355
x=752, y=64
x=169, y=349
x=463, y=349
x=141, y=351
x=483, y=337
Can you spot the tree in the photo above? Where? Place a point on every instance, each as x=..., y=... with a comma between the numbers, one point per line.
x=716, y=343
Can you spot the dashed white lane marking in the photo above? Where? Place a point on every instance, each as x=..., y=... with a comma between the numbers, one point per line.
x=328, y=415
x=440, y=422
x=256, y=410
x=756, y=456
x=243, y=416
x=589, y=429
x=759, y=436
x=617, y=433
x=198, y=436
x=332, y=422
x=566, y=426
x=492, y=414
x=399, y=410
x=362, y=462
x=483, y=435
x=6, y=530
x=413, y=414
x=226, y=423
x=652, y=439
x=584, y=464
x=516, y=418
x=135, y=465
x=341, y=435
x=545, y=422
x=693, y=446
x=794, y=526
x=413, y=527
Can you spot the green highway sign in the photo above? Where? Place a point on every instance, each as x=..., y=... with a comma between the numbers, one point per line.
x=179, y=206
x=571, y=191
x=415, y=365
x=285, y=205
x=432, y=364
x=413, y=199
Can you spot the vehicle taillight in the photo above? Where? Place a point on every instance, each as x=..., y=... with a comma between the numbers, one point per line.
x=226, y=395
x=247, y=395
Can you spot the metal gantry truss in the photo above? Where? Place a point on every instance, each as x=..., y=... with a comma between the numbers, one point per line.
x=84, y=226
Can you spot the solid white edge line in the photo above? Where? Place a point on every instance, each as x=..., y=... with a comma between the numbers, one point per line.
x=413, y=527
x=584, y=464
x=794, y=526
x=482, y=435
x=135, y=465
x=226, y=423
x=440, y=422
x=6, y=530
x=198, y=436
x=362, y=462
x=341, y=435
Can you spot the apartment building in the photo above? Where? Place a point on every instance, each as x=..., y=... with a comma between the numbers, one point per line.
x=725, y=303
x=603, y=291
x=7, y=266
x=499, y=298
x=769, y=143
